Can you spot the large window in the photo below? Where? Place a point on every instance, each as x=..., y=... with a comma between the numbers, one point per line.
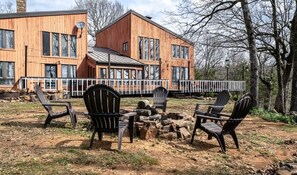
x=64, y=42
x=68, y=71
x=175, y=73
x=46, y=43
x=146, y=72
x=6, y=73
x=139, y=74
x=111, y=73
x=154, y=72
x=55, y=44
x=148, y=48
x=6, y=39
x=50, y=72
x=180, y=51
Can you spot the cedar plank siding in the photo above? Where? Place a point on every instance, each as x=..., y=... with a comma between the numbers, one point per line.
x=129, y=28
x=28, y=32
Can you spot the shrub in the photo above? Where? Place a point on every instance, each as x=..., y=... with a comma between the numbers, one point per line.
x=273, y=116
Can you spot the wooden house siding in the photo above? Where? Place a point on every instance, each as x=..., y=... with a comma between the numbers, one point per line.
x=28, y=32
x=130, y=27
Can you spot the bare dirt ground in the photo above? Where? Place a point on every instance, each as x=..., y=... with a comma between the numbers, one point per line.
x=27, y=148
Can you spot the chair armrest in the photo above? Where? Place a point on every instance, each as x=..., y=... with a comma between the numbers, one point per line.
x=222, y=114
x=55, y=104
x=211, y=118
x=104, y=115
x=57, y=101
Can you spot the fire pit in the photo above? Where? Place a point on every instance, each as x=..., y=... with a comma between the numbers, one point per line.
x=149, y=123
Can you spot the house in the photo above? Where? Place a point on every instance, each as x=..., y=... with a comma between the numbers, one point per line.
x=42, y=44
x=163, y=53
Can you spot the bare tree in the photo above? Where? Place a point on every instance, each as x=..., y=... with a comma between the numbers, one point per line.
x=206, y=18
x=294, y=50
x=100, y=13
x=6, y=7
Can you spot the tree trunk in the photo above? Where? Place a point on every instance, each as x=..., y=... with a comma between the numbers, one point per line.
x=279, y=104
x=254, y=88
x=294, y=50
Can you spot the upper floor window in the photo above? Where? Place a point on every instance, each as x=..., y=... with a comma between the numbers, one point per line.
x=55, y=44
x=180, y=51
x=125, y=46
x=6, y=73
x=148, y=48
x=6, y=39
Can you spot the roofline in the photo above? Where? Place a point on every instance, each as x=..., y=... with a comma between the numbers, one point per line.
x=41, y=13
x=148, y=20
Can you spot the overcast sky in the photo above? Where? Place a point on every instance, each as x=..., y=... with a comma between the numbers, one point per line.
x=153, y=8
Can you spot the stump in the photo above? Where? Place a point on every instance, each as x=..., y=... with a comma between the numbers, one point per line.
x=143, y=104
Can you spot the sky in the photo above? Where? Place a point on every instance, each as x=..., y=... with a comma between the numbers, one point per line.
x=153, y=8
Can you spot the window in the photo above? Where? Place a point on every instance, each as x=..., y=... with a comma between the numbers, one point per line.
x=154, y=72
x=140, y=39
x=125, y=46
x=180, y=51
x=173, y=51
x=72, y=46
x=186, y=52
x=146, y=72
x=175, y=73
x=68, y=71
x=6, y=39
x=6, y=73
x=152, y=49
x=139, y=74
x=46, y=43
x=55, y=44
x=102, y=72
x=111, y=73
x=50, y=72
x=64, y=43
x=157, y=49
x=126, y=74
x=119, y=73
x=184, y=73
x=146, y=48
x=149, y=48
x=133, y=74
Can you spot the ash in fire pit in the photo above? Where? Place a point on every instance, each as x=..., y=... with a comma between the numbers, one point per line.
x=151, y=124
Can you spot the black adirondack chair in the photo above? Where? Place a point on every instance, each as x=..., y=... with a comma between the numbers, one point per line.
x=160, y=98
x=103, y=105
x=217, y=107
x=48, y=105
x=240, y=110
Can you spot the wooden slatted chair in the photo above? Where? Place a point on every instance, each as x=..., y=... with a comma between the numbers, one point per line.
x=240, y=110
x=48, y=105
x=160, y=98
x=216, y=108
x=103, y=105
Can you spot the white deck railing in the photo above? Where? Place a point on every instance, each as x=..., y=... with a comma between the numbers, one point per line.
x=77, y=86
x=188, y=86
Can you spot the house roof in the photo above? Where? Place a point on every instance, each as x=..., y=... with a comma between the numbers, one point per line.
x=41, y=13
x=100, y=55
x=148, y=20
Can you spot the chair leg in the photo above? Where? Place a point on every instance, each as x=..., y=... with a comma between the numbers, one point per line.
x=73, y=119
x=194, y=132
x=130, y=128
x=92, y=139
x=233, y=134
x=100, y=135
x=209, y=137
x=120, y=137
x=221, y=141
x=47, y=121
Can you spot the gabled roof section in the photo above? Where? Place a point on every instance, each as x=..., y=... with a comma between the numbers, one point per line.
x=41, y=13
x=148, y=20
x=100, y=55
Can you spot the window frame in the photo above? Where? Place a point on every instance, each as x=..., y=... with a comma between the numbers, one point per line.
x=5, y=71
x=7, y=42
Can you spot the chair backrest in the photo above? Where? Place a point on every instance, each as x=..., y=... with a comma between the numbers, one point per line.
x=222, y=100
x=103, y=105
x=160, y=95
x=42, y=98
x=240, y=110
